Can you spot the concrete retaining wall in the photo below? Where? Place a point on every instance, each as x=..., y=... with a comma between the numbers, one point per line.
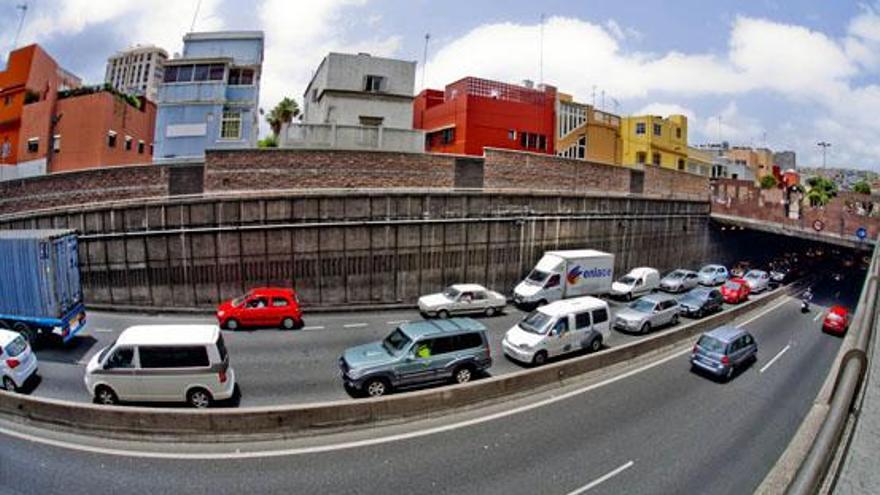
x=220, y=424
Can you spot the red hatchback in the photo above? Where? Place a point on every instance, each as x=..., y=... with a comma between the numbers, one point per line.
x=267, y=307
x=836, y=320
x=735, y=290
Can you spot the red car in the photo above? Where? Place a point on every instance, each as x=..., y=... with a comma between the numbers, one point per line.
x=266, y=307
x=836, y=320
x=735, y=290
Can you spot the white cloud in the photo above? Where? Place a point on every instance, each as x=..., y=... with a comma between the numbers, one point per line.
x=862, y=44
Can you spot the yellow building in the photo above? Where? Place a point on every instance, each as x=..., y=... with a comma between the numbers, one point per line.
x=653, y=140
x=584, y=133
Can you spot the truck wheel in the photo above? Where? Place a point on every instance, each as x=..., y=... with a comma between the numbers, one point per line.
x=27, y=332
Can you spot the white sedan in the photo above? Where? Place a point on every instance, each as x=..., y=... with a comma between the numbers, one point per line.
x=17, y=363
x=758, y=280
x=462, y=299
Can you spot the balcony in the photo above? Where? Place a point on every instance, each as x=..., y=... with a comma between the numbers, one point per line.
x=199, y=92
x=352, y=137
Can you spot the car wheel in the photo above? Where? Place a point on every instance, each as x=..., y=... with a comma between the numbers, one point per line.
x=106, y=396
x=442, y=314
x=490, y=311
x=463, y=374
x=674, y=319
x=646, y=328
x=629, y=296
x=539, y=358
x=699, y=313
x=231, y=324
x=9, y=385
x=199, y=398
x=596, y=344
x=376, y=387
x=288, y=323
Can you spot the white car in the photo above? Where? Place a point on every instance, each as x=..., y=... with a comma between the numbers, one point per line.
x=462, y=299
x=758, y=280
x=17, y=362
x=712, y=275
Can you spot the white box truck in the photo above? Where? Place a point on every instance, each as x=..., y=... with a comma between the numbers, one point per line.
x=563, y=274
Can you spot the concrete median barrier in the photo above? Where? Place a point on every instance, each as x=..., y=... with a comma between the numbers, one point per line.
x=279, y=421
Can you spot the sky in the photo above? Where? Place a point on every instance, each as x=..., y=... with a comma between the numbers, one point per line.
x=781, y=74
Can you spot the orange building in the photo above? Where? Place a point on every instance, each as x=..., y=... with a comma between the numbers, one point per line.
x=40, y=103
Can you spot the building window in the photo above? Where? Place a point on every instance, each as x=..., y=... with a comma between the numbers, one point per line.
x=230, y=127
x=542, y=142
x=658, y=129
x=111, y=139
x=641, y=157
x=680, y=164
x=241, y=77
x=7, y=100
x=33, y=145
x=582, y=147
x=655, y=159
x=371, y=121
x=640, y=127
x=374, y=84
x=447, y=136
x=511, y=135
x=141, y=147
x=56, y=143
x=678, y=132
x=128, y=142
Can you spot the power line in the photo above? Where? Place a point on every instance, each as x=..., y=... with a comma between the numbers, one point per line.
x=23, y=7
x=192, y=26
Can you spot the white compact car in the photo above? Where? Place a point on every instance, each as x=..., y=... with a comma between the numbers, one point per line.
x=462, y=299
x=163, y=363
x=17, y=362
x=758, y=280
x=559, y=328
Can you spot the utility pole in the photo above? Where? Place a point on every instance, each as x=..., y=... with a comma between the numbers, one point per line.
x=23, y=8
x=192, y=26
x=425, y=59
x=824, y=145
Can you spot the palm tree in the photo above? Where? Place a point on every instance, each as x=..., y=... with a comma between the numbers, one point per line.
x=284, y=112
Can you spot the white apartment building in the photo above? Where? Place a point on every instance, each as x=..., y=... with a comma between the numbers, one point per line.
x=137, y=71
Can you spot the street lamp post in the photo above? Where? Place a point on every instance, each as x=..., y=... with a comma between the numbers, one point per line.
x=824, y=145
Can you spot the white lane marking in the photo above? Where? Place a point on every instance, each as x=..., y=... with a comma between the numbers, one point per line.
x=369, y=442
x=103, y=330
x=397, y=322
x=818, y=315
x=784, y=300
x=320, y=327
x=593, y=484
x=770, y=363
x=355, y=325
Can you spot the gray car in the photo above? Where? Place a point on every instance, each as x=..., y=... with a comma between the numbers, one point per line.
x=724, y=350
x=680, y=281
x=645, y=313
x=417, y=353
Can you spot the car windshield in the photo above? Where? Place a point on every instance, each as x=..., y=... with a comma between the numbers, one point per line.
x=697, y=294
x=538, y=276
x=451, y=293
x=752, y=275
x=732, y=285
x=628, y=280
x=711, y=344
x=676, y=274
x=396, y=342
x=16, y=347
x=536, y=322
x=104, y=352
x=238, y=301
x=708, y=270
x=642, y=306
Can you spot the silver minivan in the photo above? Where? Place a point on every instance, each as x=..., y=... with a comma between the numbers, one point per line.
x=163, y=363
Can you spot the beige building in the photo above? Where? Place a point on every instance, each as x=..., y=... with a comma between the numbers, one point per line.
x=137, y=71
x=584, y=133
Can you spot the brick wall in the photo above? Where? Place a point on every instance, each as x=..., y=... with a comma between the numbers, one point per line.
x=238, y=170
x=662, y=181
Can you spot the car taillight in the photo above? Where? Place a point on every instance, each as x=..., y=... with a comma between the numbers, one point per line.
x=13, y=363
x=222, y=376
x=695, y=349
x=725, y=360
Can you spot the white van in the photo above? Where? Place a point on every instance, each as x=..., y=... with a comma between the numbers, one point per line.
x=566, y=274
x=559, y=328
x=163, y=363
x=638, y=282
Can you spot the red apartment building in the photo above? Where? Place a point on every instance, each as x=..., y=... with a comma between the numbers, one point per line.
x=474, y=113
x=49, y=123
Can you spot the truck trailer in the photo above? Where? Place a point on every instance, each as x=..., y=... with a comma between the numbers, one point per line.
x=41, y=293
x=563, y=274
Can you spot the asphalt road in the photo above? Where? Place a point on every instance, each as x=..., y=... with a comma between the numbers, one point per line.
x=662, y=429
x=272, y=366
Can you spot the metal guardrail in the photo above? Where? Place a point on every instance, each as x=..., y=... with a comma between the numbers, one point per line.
x=850, y=377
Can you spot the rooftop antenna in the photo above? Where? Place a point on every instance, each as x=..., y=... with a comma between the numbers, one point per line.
x=616, y=104
x=541, y=64
x=425, y=59
x=603, y=101
x=594, y=96
x=23, y=8
x=192, y=26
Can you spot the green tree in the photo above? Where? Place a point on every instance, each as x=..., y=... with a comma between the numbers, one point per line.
x=821, y=191
x=284, y=112
x=268, y=142
x=768, y=182
x=862, y=187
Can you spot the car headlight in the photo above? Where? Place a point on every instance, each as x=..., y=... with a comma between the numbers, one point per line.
x=524, y=346
x=221, y=313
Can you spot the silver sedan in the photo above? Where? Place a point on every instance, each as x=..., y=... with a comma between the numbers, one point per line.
x=462, y=299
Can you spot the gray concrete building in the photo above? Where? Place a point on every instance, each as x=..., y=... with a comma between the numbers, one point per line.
x=785, y=160
x=358, y=102
x=137, y=71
